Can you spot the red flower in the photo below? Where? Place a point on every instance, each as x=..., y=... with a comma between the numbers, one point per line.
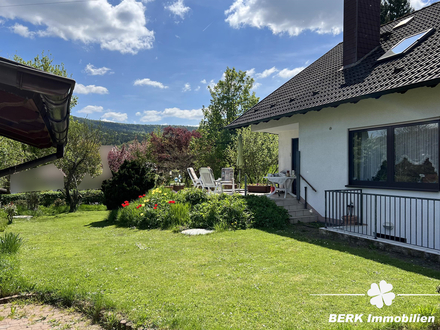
x=140, y=196
x=171, y=202
x=126, y=202
x=155, y=204
x=155, y=207
x=138, y=206
x=123, y=205
x=144, y=195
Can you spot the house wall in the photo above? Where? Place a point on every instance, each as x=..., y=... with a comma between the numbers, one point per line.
x=323, y=138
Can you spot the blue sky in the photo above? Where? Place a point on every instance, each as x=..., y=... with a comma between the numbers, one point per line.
x=150, y=61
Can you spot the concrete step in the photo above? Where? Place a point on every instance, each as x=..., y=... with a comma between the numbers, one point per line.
x=299, y=213
x=307, y=218
x=293, y=207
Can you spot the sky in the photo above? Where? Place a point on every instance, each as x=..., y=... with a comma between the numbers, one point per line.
x=151, y=61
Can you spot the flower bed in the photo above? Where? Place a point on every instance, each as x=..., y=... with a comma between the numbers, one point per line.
x=194, y=208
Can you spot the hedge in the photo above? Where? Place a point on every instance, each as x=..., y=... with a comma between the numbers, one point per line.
x=48, y=197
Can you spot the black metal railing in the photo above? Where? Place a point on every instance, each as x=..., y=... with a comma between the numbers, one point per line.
x=411, y=220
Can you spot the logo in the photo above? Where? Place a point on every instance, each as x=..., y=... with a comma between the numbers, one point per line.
x=381, y=294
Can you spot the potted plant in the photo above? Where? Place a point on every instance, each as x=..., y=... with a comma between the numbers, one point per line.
x=259, y=188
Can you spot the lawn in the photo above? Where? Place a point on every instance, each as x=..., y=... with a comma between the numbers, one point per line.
x=246, y=279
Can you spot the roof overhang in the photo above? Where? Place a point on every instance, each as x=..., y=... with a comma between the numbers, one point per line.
x=34, y=105
x=403, y=89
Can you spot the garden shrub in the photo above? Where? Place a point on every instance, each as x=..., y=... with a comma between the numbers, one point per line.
x=32, y=200
x=133, y=179
x=162, y=208
x=266, y=213
x=47, y=198
x=10, y=243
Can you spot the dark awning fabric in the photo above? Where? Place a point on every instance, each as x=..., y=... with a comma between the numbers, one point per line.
x=34, y=105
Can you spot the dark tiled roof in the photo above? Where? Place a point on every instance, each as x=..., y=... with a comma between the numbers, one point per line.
x=324, y=84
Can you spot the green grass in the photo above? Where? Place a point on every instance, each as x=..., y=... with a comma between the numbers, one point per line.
x=247, y=279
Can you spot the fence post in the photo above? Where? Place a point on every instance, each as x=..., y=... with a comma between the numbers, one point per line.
x=305, y=198
x=375, y=216
x=325, y=208
x=245, y=184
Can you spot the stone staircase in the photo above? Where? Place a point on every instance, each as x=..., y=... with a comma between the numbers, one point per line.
x=296, y=209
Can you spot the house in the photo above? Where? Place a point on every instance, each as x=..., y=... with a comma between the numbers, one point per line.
x=361, y=125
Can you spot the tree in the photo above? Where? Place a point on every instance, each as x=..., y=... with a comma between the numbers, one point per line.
x=132, y=151
x=170, y=150
x=260, y=153
x=81, y=157
x=230, y=98
x=393, y=9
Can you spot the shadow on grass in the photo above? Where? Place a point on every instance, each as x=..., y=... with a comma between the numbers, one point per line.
x=109, y=221
x=311, y=234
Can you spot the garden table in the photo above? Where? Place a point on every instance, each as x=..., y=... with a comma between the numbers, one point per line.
x=285, y=181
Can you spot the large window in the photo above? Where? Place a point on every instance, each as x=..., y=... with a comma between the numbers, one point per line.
x=401, y=156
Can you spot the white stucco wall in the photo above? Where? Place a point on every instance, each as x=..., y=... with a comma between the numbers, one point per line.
x=323, y=137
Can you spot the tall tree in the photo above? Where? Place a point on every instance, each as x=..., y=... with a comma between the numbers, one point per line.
x=393, y=9
x=81, y=157
x=230, y=98
x=256, y=146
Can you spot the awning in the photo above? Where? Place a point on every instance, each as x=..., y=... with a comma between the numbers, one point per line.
x=34, y=105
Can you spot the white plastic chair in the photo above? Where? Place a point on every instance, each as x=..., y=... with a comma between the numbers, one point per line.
x=208, y=181
x=195, y=180
x=228, y=179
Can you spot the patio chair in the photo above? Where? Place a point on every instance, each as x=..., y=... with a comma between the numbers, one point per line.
x=228, y=179
x=195, y=180
x=208, y=181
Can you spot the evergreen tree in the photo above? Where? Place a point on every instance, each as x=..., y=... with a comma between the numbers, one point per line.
x=393, y=9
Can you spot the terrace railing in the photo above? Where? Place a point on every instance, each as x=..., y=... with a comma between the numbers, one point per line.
x=411, y=220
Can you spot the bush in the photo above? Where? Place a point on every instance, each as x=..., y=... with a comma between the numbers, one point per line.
x=10, y=280
x=133, y=179
x=10, y=243
x=32, y=200
x=161, y=208
x=11, y=211
x=47, y=198
x=266, y=213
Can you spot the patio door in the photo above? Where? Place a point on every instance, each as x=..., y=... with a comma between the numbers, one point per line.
x=295, y=163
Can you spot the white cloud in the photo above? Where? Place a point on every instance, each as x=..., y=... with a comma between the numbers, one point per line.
x=197, y=89
x=151, y=116
x=266, y=73
x=255, y=86
x=90, y=89
x=154, y=116
x=417, y=4
x=211, y=84
x=184, y=114
x=92, y=70
x=288, y=16
x=204, y=81
x=138, y=113
x=148, y=82
x=186, y=88
x=286, y=73
x=178, y=9
x=118, y=27
x=114, y=116
x=22, y=31
x=250, y=72
x=91, y=109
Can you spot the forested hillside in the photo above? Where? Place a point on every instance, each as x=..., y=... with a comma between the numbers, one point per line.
x=119, y=133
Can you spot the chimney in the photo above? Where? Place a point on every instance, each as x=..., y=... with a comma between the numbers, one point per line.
x=361, y=29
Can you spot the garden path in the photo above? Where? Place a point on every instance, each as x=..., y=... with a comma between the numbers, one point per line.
x=17, y=316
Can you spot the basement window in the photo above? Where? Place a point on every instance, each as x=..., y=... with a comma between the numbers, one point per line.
x=405, y=44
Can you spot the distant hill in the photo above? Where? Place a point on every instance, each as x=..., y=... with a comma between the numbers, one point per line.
x=119, y=133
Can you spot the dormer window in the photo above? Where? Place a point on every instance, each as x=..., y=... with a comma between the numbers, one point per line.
x=405, y=44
